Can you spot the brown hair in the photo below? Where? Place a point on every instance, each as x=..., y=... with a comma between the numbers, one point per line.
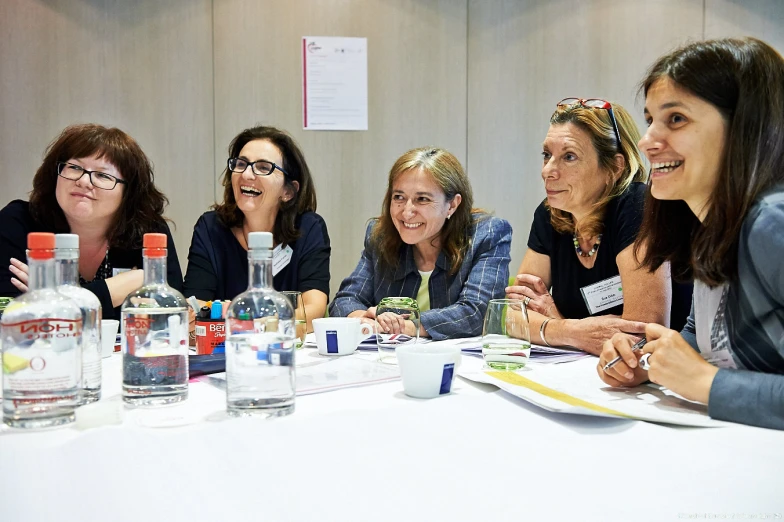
x=598, y=125
x=296, y=169
x=450, y=176
x=141, y=208
x=744, y=80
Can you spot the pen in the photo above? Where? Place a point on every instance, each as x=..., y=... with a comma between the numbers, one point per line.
x=637, y=346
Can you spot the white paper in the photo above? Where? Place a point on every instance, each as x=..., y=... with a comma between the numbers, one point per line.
x=578, y=380
x=334, y=83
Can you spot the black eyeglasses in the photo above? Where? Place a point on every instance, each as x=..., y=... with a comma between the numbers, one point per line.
x=259, y=168
x=99, y=180
x=594, y=103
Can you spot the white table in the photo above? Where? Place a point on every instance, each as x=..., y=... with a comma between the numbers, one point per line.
x=373, y=454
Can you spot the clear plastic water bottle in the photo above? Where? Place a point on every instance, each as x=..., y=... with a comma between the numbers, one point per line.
x=66, y=254
x=41, y=339
x=155, y=335
x=260, y=341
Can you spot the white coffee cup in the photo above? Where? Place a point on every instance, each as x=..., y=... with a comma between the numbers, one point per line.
x=340, y=335
x=428, y=371
x=108, y=335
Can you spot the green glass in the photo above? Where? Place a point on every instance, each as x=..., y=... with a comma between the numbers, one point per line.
x=396, y=311
x=300, y=321
x=506, y=340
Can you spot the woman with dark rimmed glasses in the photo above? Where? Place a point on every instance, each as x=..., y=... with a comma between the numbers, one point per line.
x=267, y=188
x=579, y=277
x=715, y=212
x=95, y=182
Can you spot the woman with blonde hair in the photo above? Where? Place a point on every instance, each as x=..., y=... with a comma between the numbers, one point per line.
x=581, y=240
x=431, y=245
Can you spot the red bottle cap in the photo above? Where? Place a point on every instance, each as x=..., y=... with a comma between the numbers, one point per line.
x=154, y=245
x=154, y=240
x=40, y=245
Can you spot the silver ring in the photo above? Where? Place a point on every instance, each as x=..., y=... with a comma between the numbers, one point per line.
x=526, y=301
x=644, y=364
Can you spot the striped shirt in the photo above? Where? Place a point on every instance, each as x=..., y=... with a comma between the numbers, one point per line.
x=457, y=302
x=754, y=314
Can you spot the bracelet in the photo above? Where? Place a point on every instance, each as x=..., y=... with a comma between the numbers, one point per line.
x=541, y=331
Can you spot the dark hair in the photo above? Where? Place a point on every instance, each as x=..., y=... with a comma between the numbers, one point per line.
x=744, y=80
x=597, y=124
x=141, y=208
x=449, y=175
x=297, y=169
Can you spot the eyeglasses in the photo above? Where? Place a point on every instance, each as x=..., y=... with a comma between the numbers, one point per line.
x=259, y=168
x=594, y=103
x=99, y=180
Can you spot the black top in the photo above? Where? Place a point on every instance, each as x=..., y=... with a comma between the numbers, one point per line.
x=622, y=221
x=16, y=222
x=218, y=265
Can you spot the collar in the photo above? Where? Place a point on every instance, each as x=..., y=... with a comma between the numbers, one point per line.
x=406, y=264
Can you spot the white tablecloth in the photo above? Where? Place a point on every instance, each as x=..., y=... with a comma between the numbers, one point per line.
x=372, y=453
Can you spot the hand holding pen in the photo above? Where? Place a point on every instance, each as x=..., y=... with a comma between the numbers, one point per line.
x=619, y=364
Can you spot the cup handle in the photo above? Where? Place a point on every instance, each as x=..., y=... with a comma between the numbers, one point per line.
x=365, y=331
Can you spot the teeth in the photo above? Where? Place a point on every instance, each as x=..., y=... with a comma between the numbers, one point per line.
x=412, y=225
x=666, y=165
x=250, y=189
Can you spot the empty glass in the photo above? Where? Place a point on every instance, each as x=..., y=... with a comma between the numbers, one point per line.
x=506, y=341
x=300, y=321
x=395, y=311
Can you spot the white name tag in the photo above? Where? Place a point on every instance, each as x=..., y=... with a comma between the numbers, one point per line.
x=280, y=258
x=117, y=271
x=720, y=359
x=603, y=295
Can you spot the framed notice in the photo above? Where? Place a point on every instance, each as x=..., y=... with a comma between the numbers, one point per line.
x=334, y=83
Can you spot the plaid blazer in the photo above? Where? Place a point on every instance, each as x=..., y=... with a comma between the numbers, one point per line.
x=458, y=302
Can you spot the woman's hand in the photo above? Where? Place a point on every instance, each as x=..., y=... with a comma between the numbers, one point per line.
x=538, y=297
x=627, y=371
x=21, y=271
x=589, y=334
x=674, y=364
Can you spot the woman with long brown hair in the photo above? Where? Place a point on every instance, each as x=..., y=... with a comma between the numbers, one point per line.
x=715, y=212
x=431, y=245
x=95, y=182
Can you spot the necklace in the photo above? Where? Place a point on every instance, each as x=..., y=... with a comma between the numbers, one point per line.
x=592, y=251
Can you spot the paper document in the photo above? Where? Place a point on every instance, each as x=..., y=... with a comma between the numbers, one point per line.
x=540, y=354
x=576, y=388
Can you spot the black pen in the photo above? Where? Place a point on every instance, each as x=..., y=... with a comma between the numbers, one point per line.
x=637, y=346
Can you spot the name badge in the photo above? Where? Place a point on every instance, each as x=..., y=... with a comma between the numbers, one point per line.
x=603, y=295
x=720, y=359
x=280, y=258
x=117, y=271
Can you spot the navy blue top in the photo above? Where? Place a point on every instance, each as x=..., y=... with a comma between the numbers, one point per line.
x=218, y=264
x=16, y=222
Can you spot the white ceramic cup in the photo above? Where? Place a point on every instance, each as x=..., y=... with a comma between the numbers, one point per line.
x=108, y=335
x=428, y=371
x=340, y=335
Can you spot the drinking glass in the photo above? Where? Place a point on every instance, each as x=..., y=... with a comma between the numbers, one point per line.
x=395, y=309
x=300, y=321
x=506, y=341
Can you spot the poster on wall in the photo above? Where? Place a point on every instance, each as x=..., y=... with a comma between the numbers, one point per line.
x=334, y=83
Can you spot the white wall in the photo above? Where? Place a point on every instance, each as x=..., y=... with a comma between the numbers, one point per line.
x=478, y=77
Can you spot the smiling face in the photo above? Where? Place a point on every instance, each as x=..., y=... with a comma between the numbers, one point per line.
x=684, y=143
x=419, y=208
x=259, y=193
x=81, y=201
x=571, y=173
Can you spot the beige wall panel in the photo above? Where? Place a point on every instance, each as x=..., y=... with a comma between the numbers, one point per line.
x=416, y=94
x=763, y=19
x=144, y=66
x=525, y=56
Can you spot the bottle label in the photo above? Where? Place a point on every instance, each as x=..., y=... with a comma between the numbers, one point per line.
x=42, y=355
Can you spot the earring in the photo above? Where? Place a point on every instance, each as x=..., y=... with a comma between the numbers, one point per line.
x=448, y=216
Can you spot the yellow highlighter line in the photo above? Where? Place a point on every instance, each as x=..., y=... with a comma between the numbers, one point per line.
x=519, y=380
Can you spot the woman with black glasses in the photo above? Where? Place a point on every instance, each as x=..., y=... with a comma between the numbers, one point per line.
x=97, y=183
x=267, y=188
x=581, y=243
